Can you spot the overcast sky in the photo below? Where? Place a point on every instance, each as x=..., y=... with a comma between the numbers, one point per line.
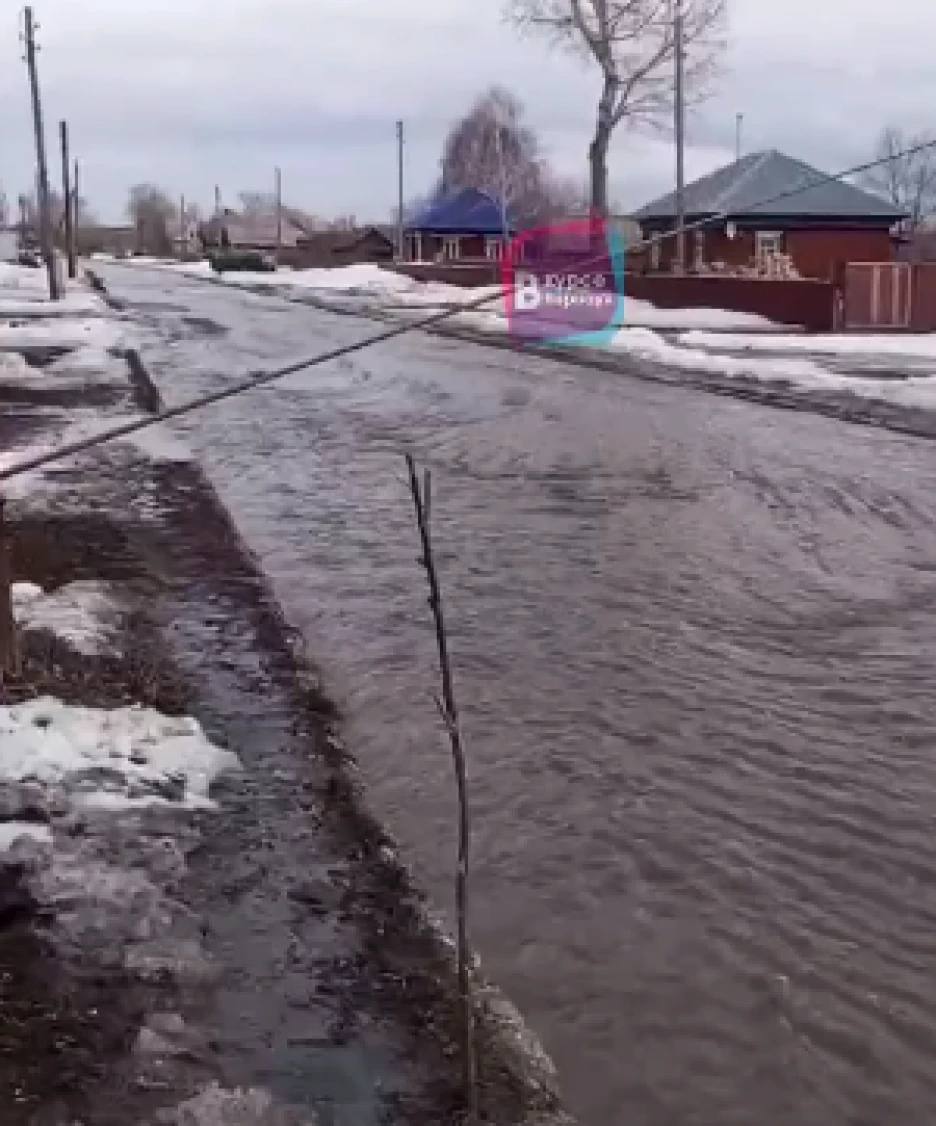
x=189, y=93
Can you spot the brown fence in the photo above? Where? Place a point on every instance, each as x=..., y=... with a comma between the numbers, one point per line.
x=877, y=295
x=810, y=304
x=889, y=296
x=468, y=274
x=923, y=311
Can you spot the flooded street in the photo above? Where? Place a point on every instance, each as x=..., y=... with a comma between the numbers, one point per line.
x=695, y=648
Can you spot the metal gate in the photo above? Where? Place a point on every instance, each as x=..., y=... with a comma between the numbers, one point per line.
x=878, y=295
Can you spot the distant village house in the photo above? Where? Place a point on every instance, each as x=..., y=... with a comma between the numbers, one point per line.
x=810, y=226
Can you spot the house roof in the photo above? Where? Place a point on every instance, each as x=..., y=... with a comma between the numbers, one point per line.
x=468, y=211
x=342, y=240
x=253, y=230
x=771, y=183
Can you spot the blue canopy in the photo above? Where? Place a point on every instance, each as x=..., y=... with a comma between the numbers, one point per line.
x=465, y=212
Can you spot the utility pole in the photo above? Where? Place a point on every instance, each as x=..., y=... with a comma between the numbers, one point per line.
x=278, y=176
x=183, y=229
x=399, y=233
x=680, y=111
x=42, y=169
x=76, y=201
x=739, y=119
x=217, y=201
x=68, y=200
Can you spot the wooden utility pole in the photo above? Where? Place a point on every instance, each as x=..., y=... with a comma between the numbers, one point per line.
x=76, y=201
x=68, y=201
x=680, y=122
x=399, y=136
x=183, y=230
x=42, y=169
x=739, y=121
x=278, y=176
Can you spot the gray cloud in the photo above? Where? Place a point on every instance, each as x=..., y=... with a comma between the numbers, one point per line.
x=192, y=94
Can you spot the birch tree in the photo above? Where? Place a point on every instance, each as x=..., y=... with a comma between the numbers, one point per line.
x=906, y=176
x=632, y=45
x=493, y=150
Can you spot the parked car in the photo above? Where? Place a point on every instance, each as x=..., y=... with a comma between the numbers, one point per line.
x=29, y=258
x=254, y=261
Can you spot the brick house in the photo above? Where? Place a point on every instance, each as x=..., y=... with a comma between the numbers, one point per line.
x=818, y=225
x=467, y=224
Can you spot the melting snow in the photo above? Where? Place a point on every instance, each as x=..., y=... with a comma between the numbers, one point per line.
x=110, y=758
x=81, y=613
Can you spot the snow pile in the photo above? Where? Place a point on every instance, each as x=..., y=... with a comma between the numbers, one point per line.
x=71, y=304
x=120, y=759
x=63, y=332
x=81, y=613
x=795, y=371
x=27, y=282
x=646, y=344
x=910, y=345
x=13, y=366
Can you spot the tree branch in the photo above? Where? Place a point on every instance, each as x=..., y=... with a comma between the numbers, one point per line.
x=422, y=497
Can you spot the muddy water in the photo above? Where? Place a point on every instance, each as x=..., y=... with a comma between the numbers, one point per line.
x=695, y=645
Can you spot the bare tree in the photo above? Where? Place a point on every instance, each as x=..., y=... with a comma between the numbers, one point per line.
x=906, y=176
x=257, y=204
x=151, y=210
x=632, y=43
x=29, y=213
x=493, y=150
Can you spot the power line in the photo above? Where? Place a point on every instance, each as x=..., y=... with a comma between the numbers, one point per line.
x=266, y=378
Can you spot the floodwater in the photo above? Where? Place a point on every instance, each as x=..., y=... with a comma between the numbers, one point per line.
x=695, y=646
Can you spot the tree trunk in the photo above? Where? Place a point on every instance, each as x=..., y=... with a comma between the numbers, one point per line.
x=598, y=149
x=598, y=172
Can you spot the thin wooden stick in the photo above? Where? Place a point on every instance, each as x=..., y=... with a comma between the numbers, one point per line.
x=449, y=713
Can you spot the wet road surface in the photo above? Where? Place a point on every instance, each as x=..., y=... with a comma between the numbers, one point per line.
x=695, y=643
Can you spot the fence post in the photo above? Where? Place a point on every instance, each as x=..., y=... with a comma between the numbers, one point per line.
x=9, y=657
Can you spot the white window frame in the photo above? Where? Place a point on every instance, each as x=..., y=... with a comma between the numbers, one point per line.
x=698, y=249
x=451, y=247
x=494, y=249
x=655, y=246
x=767, y=244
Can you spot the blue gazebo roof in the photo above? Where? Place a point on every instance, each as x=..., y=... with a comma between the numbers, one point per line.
x=465, y=212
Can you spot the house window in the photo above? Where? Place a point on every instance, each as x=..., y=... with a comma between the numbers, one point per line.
x=767, y=244
x=494, y=249
x=698, y=250
x=451, y=247
x=655, y=253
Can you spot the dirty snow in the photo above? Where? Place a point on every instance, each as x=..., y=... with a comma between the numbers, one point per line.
x=915, y=345
x=81, y=613
x=73, y=332
x=110, y=759
x=71, y=304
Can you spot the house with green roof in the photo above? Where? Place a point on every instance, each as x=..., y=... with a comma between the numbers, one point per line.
x=767, y=208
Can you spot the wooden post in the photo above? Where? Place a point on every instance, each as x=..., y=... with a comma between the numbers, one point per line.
x=9, y=656
x=42, y=170
x=278, y=182
x=68, y=201
x=400, y=245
